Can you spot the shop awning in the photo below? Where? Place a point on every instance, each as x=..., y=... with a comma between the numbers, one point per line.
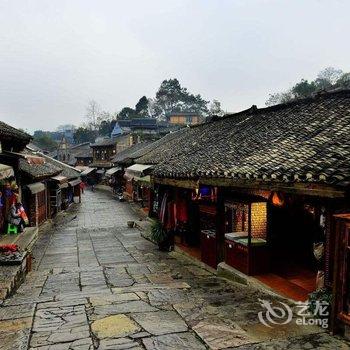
x=59, y=178
x=138, y=170
x=113, y=170
x=5, y=171
x=144, y=180
x=36, y=187
x=74, y=182
x=87, y=171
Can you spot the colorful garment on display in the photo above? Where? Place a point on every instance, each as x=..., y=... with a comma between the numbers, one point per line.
x=170, y=218
x=23, y=215
x=181, y=211
x=163, y=208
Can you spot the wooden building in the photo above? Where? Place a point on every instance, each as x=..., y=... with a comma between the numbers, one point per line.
x=81, y=155
x=260, y=194
x=145, y=129
x=65, y=190
x=36, y=173
x=12, y=141
x=105, y=149
x=74, y=155
x=134, y=178
x=102, y=152
x=184, y=118
x=48, y=185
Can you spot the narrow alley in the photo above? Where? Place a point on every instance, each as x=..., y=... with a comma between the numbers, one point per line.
x=97, y=284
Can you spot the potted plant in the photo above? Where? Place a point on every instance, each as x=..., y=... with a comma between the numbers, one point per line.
x=160, y=236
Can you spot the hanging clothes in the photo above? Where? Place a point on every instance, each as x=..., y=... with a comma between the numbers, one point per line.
x=181, y=211
x=163, y=208
x=170, y=216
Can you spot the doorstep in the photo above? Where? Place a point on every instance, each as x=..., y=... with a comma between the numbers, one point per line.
x=234, y=275
x=193, y=260
x=11, y=276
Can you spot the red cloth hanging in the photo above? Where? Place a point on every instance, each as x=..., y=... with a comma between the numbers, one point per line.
x=170, y=219
x=181, y=211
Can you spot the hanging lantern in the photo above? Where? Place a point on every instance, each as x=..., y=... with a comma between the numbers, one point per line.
x=277, y=199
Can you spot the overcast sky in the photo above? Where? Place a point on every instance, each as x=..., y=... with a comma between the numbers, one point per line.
x=57, y=54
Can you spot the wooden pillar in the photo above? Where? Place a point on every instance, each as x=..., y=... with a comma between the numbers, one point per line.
x=340, y=317
x=36, y=210
x=220, y=225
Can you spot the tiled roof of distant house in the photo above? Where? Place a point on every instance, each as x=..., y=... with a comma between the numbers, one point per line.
x=82, y=150
x=126, y=156
x=39, y=170
x=183, y=113
x=49, y=167
x=157, y=151
x=104, y=142
x=139, y=123
x=67, y=170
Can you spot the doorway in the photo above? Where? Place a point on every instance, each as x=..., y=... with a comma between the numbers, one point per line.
x=293, y=229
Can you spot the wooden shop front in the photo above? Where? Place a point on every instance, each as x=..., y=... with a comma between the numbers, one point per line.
x=138, y=183
x=74, y=191
x=246, y=247
x=35, y=200
x=280, y=238
x=56, y=192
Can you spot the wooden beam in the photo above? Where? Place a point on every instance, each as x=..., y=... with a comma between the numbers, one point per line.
x=309, y=189
x=191, y=184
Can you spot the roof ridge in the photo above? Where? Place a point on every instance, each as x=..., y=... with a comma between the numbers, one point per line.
x=322, y=94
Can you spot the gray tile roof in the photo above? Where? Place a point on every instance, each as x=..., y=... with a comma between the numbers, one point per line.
x=306, y=140
x=157, y=151
x=9, y=132
x=105, y=142
x=38, y=171
x=126, y=156
x=51, y=167
x=66, y=170
x=82, y=150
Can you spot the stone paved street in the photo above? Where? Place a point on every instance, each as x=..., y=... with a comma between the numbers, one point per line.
x=97, y=284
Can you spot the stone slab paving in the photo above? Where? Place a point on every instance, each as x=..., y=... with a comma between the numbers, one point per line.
x=97, y=284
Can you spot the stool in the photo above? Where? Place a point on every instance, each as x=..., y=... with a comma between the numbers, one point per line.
x=12, y=229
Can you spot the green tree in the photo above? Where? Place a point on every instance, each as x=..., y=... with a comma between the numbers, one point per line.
x=82, y=135
x=215, y=108
x=106, y=127
x=141, y=107
x=328, y=79
x=279, y=97
x=303, y=89
x=127, y=113
x=172, y=97
x=45, y=142
x=344, y=81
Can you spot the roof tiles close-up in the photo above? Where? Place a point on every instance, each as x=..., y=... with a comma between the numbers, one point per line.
x=305, y=140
